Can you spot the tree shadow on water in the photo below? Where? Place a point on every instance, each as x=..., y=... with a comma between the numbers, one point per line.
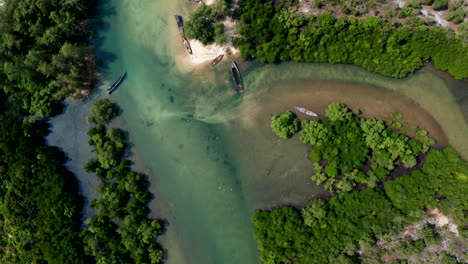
x=103, y=11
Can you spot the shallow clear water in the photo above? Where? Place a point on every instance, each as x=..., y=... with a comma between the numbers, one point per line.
x=209, y=153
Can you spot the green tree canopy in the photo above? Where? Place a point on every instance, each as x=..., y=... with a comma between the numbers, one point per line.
x=285, y=124
x=102, y=112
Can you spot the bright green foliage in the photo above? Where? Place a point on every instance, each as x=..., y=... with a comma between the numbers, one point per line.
x=123, y=199
x=338, y=140
x=270, y=36
x=108, y=146
x=313, y=131
x=338, y=112
x=463, y=32
x=336, y=231
x=102, y=112
x=285, y=124
x=313, y=212
x=342, y=144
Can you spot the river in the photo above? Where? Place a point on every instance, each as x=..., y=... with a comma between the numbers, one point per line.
x=209, y=153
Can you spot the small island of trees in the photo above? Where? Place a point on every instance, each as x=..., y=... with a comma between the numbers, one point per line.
x=344, y=143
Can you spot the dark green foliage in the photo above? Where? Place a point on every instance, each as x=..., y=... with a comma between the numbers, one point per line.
x=39, y=205
x=440, y=4
x=285, y=124
x=102, y=112
x=335, y=231
x=456, y=16
x=370, y=43
x=219, y=36
x=202, y=23
x=44, y=50
x=283, y=237
x=44, y=56
x=121, y=231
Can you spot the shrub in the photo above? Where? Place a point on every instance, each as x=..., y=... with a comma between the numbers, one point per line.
x=285, y=124
x=456, y=16
x=440, y=4
x=102, y=112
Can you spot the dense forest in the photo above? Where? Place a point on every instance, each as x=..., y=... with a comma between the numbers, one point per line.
x=388, y=221
x=120, y=232
x=44, y=51
x=274, y=31
x=39, y=205
x=44, y=56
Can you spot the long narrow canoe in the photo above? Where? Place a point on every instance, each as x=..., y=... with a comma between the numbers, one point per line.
x=180, y=24
x=187, y=45
x=114, y=86
x=237, y=77
x=305, y=111
x=216, y=60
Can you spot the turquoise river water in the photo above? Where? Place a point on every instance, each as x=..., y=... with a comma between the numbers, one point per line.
x=209, y=154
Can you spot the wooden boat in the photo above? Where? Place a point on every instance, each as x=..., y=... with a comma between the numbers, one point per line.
x=180, y=24
x=187, y=45
x=216, y=60
x=305, y=111
x=114, y=86
x=237, y=77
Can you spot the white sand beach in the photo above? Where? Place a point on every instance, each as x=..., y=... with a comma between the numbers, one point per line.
x=202, y=53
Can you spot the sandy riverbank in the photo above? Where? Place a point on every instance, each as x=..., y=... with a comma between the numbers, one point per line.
x=203, y=54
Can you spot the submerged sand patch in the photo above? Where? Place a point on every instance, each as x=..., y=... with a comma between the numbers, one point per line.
x=277, y=172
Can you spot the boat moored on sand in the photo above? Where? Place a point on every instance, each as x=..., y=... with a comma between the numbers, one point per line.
x=216, y=60
x=114, y=86
x=187, y=45
x=237, y=77
x=306, y=111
